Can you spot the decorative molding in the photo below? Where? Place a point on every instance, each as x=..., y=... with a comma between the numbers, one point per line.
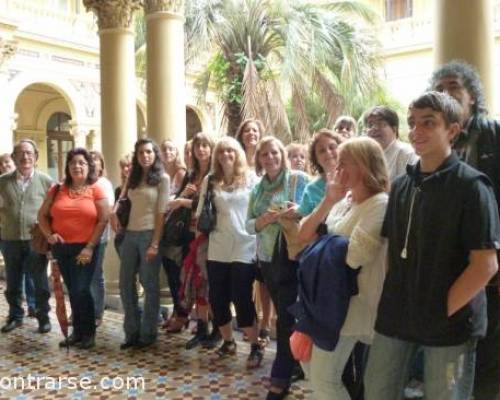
x=113, y=13
x=171, y=6
x=7, y=50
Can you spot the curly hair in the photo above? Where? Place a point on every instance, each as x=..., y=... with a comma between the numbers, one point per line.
x=155, y=172
x=91, y=176
x=470, y=78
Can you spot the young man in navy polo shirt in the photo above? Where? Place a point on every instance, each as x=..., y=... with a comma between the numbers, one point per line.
x=443, y=229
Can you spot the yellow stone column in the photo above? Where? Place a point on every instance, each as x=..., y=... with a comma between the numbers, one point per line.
x=118, y=100
x=464, y=30
x=166, y=91
x=8, y=49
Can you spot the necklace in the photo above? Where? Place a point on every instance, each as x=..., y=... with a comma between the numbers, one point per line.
x=77, y=191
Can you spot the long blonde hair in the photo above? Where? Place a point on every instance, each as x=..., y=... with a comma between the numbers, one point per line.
x=179, y=164
x=240, y=162
x=368, y=155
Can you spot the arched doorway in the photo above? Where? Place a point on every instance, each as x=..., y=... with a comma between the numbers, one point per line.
x=43, y=115
x=59, y=143
x=193, y=123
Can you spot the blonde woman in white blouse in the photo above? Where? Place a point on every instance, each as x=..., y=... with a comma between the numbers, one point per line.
x=231, y=250
x=354, y=206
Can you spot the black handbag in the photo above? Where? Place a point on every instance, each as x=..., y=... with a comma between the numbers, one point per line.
x=123, y=211
x=208, y=216
x=176, y=228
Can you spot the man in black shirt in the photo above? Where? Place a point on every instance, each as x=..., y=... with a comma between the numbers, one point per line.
x=443, y=229
x=478, y=144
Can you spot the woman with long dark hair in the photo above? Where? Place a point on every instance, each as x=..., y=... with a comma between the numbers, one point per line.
x=148, y=189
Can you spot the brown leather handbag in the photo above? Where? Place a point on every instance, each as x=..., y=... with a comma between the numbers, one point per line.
x=39, y=242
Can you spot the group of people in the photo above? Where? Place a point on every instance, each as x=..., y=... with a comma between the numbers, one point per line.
x=418, y=223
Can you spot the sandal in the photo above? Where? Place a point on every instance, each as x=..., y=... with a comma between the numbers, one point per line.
x=228, y=348
x=255, y=357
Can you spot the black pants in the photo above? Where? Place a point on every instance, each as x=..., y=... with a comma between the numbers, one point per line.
x=487, y=380
x=231, y=282
x=283, y=295
x=173, y=272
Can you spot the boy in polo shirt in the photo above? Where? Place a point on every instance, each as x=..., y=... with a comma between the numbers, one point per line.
x=443, y=229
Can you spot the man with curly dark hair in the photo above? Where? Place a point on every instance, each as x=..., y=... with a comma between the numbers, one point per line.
x=478, y=145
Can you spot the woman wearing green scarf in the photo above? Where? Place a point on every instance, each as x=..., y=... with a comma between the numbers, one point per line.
x=276, y=196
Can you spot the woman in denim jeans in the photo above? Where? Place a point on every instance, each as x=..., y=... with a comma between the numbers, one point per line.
x=147, y=189
x=79, y=212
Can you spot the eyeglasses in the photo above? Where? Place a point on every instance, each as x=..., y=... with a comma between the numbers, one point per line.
x=376, y=125
x=24, y=153
x=78, y=163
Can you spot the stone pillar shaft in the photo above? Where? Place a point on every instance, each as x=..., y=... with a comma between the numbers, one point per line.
x=166, y=92
x=464, y=30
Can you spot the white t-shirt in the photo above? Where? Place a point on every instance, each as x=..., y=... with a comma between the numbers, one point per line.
x=398, y=155
x=362, y=223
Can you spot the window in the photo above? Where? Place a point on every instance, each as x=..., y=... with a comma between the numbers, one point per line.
x=59, y=142
x=398, y=9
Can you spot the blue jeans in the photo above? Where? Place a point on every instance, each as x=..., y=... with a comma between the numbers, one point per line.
x=77, y=279
x=326, y=369
x=137, y=326
x=448, y=371
x=97, y=284
x=29, y=290
x=20, y=257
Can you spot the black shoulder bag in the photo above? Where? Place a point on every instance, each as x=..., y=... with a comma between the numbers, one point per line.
x=208, y=216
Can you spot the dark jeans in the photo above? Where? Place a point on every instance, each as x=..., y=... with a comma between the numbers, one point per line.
x=231, y=282
x=487, y=380
x=354, y=370
x=173, y=272
x=19, y=257
x=78, y=279
x=283, y=295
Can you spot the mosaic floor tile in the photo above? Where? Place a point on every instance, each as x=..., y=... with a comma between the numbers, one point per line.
x=164, y=371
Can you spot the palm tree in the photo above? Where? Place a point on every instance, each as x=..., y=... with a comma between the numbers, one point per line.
x=265, y=51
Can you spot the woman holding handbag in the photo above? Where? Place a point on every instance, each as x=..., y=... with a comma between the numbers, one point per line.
x=231, y=250
x=201, y=150
x=73, y=218
x=147, y=189
x=276, y=196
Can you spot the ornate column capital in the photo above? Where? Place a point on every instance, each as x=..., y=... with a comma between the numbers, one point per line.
x=113, y=13
x=7, y=50
x=171, y=6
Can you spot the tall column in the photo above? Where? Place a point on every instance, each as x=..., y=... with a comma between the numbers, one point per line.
x=166, y=92
x=464, y=30
x=8, y=49
x=118, y=113
x=118, y=97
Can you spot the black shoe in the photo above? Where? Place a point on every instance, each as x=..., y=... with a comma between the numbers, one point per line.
x=278, y=396
x=256, y=356
x=128, y=344
x=297, y=374
x=200, y=336
x=228, y=348
x=11, y=325
x=212, y=340
x=143, y=345
x=44, y=326
x=72, y=340
x=86, y=343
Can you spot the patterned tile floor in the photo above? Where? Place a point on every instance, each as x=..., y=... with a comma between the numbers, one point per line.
x=166, y=371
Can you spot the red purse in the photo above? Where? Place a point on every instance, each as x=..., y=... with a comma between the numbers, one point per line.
x=301, y=346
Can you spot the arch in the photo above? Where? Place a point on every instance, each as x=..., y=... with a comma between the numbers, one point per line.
x=59, y=84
